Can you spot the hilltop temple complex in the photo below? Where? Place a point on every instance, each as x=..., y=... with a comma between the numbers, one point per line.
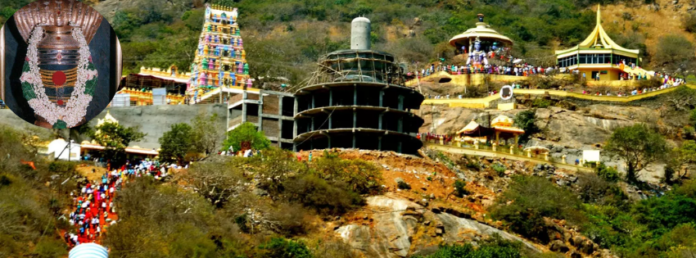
x=599, y=58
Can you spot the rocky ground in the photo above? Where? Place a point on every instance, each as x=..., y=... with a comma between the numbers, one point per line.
x=402, y=223
x=567, y=126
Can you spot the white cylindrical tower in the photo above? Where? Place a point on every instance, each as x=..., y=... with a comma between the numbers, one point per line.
x=360, y=34
x=88, y=250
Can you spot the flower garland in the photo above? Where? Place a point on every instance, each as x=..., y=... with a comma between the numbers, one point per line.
x=33, y=88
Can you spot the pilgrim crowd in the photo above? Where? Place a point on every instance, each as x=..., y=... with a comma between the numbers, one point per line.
x=93, y=210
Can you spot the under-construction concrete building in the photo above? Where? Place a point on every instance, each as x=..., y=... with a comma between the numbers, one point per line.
x=356, y=99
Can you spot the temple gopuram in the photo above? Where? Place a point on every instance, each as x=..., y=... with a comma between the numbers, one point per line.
x=220, y=60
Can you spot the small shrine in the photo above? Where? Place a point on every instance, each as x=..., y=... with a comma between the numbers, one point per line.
x=481, y=43
x=502, y=127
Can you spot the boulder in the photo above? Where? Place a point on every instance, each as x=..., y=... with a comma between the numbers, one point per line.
x=558, y=246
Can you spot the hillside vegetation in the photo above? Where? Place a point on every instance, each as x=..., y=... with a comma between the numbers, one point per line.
x=284, y=38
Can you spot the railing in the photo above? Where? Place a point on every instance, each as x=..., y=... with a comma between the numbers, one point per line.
x=504, y=151
x=485, y=101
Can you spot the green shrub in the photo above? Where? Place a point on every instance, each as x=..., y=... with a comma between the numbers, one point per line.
x=531, y=199
x=62, y=167
x=241, y=222
x=361, y=176
x=497, y=248
x=687, y=188
x=541, y=103
x=473, y=165
x=460, y=188
x=284, y=248
x=499, y=168
x=594, y=189
x=403, y=185
x=608, y=173
x=325, y=197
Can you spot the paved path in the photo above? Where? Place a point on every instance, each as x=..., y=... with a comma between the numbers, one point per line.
x=490, y=153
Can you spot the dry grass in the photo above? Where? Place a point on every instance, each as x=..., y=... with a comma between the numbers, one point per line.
x=654, y=25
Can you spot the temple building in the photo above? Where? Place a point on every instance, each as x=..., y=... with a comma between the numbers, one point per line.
x=598, y=56
x=136, y=88
x=356, y=99
x=132, y=152
x=501, y=127
x=220, y=60
x=489, y=40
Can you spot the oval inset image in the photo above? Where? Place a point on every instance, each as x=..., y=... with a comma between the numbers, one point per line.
x=60, y=63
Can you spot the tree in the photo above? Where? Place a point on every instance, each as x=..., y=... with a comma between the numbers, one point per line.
x=115, y=138
x=675, y=54
x=684, y=155
x=205, y=134
x=176, y=142
x=246, y=132
x=525, y=120
x=638, y=146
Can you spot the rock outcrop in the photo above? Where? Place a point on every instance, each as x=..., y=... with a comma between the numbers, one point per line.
x=400, y=227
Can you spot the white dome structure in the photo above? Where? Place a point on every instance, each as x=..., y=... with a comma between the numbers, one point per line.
x=88, y=250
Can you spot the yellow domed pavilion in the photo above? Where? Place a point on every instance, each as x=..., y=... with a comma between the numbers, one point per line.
x=597, y=55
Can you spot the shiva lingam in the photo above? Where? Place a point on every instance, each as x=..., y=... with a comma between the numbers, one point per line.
x=58, y=78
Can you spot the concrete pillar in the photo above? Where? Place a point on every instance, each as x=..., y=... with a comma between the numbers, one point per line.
x=354, y=141
x=313, y=125
x=401, y=102
x=244, y=107
x=512, y=150
x=401, y=124
x=517, y=140
x=330, y=122
x=355, y=118
x=330, y=97
x=355, y=95
x=497, y=137
x=261, y=113
x=381, y=116
x=379, y=143
x=328, y=137
x=399, y=150
x=313, y=103
x=381, y=98
x=294, y=121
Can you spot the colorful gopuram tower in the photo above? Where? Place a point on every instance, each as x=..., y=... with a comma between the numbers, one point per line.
x=220, y=60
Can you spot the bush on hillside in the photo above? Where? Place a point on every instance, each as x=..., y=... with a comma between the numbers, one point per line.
x=403, y=185
x=281, y=247
x=362, y=177
x=460, y=188
x=499, y=168
x=62, y=167
x=607, y=173
x=497, y=248
x=595, y=189
x=530, y=200
x=325, y=197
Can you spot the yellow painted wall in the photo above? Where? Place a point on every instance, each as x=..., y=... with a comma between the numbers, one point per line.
x=612, y=74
